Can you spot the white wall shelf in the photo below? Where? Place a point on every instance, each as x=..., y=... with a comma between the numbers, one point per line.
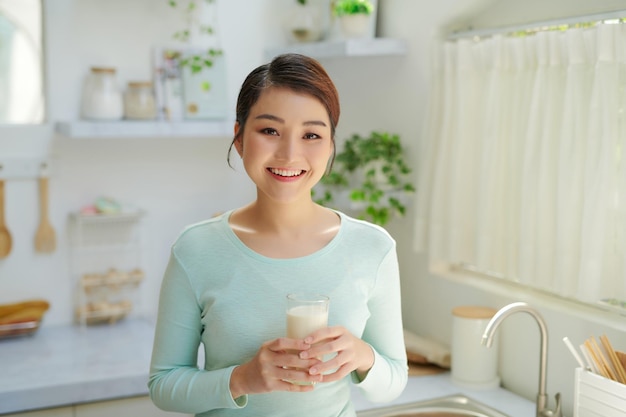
x=149, y=129
x=345, y=48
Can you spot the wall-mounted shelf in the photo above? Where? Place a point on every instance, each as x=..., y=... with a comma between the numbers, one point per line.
x=23, y=168
x=345, y=48
x=149, y=129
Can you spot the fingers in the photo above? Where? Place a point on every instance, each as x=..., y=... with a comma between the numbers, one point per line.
x=278, y=362
x=342, y=353
x=284, y=344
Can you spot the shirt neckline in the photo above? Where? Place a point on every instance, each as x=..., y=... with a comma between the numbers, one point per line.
x=252, y=253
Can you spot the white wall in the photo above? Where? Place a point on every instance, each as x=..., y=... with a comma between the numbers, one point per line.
x=179, y=181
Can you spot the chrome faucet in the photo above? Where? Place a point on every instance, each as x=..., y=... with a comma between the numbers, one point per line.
x=490, y=330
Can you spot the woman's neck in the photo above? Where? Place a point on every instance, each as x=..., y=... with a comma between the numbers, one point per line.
x=279, y=231
x=271, y=217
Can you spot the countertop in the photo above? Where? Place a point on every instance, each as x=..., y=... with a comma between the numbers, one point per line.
x=63, y=365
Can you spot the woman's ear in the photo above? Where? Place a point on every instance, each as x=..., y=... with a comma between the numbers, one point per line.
x=238, y=142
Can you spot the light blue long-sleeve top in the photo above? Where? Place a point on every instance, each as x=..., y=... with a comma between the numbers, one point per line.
x=218, y=293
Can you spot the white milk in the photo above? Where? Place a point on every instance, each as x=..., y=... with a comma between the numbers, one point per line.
x=304, y=320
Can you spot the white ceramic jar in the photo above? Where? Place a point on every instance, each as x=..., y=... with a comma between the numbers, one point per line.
x=139, y=101
x=472, y=364
x=101, y=98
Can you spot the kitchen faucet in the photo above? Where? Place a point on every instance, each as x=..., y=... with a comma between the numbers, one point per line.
x=492, y=326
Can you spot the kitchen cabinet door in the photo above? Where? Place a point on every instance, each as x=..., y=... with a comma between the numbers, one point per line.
x=51, y=412
x=126, y=407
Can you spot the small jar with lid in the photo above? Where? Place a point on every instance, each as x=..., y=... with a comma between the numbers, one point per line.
x=101, y=98
x=139, y=101
x=472, y=364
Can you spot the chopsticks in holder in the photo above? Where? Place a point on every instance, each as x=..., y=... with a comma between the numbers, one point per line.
x=617, y=365
x=606, y=360
x=598, y=358
x=591, y=365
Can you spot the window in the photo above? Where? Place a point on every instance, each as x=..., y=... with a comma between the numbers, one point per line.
x=524, y=177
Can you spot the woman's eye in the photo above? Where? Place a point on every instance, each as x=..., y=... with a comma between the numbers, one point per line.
x=269, y=131
x=312, y=136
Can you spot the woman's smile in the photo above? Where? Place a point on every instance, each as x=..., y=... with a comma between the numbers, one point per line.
x=286, y=172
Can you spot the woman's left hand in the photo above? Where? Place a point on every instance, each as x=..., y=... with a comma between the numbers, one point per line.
x=352, y=353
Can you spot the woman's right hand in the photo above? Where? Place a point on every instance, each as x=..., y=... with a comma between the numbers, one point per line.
x=275, y=363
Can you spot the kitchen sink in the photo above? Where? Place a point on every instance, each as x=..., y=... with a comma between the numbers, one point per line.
x=450, y=406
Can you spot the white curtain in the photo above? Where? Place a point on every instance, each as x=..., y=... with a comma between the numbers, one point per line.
x=524, y=171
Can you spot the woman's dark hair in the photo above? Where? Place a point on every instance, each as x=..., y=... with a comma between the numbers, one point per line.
x=299, y=73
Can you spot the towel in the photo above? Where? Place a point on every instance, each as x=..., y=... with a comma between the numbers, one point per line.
x=423, y=351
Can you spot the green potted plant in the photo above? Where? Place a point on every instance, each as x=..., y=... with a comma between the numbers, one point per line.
x=354, y=16
x=373, y=172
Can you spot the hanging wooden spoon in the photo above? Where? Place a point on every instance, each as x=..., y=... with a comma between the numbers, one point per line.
x=5, y=235
x=45, y=238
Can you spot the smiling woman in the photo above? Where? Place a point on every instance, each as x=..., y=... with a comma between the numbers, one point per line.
x=21, y=62
x=226, y=285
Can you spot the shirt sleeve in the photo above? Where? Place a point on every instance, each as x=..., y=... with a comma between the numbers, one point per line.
x=176, y=383
x=384, y=332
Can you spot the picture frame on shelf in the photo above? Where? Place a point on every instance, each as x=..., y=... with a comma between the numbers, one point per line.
x=167, y=80
x=185, y=93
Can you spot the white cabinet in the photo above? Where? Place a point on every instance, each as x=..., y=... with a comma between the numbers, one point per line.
x=127, y=407
x=105, y=258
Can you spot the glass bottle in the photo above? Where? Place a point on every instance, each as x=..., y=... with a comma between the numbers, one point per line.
x=139, y=101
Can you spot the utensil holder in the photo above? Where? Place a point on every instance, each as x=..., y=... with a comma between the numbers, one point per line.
x=597, y=396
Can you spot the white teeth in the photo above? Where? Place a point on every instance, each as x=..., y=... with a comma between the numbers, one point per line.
x=285, y=172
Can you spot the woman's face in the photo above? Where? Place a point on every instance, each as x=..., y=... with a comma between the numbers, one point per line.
x=286, y=144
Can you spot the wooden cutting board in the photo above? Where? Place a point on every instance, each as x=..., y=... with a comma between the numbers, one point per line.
x=422, y=370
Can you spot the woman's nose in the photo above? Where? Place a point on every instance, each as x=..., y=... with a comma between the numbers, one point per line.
x=287, y=149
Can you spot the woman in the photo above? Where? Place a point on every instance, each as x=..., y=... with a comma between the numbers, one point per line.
x=227, y=279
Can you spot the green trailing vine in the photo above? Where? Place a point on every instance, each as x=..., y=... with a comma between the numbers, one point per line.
x=205, y=59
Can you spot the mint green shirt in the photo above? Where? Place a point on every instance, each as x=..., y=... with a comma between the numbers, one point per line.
x=219, y=294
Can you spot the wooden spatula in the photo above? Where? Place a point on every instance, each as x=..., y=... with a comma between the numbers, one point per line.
x=45, y=238
x=5, y=235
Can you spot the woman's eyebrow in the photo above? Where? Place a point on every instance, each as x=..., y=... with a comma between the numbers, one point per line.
x=280, y=120
x=270, y=117
x=314, y=123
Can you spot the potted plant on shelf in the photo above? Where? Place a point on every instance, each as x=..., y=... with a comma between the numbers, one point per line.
x=354, y=16
x=372, y=171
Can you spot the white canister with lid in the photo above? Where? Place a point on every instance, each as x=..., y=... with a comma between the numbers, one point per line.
x=139, y=101
x=472, y=364
x=102, y=98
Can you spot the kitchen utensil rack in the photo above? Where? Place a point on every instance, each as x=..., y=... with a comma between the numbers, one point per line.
x=597, y=396
x=106, y=265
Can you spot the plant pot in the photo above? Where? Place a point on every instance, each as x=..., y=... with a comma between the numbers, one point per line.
x=355, y=25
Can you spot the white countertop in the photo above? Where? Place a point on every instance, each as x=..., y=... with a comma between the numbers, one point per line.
x=63, y=365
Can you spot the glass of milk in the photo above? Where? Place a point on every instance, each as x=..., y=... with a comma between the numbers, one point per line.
x=306, y=313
